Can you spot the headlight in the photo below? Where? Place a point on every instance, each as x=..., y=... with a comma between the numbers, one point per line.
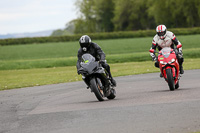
x=172, y=60
x=162, y=62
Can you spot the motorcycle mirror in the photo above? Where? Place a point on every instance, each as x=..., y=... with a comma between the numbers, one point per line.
x=179, y=46
x=152, y=50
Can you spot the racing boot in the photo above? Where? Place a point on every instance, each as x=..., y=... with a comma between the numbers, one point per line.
x=114, y=84
x=161, y=75
x=181, y=69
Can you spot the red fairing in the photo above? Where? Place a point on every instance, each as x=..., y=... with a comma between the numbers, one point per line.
x=166, y=63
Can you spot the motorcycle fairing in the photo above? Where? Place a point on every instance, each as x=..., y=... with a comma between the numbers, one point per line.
x=92, y=68
x=165, y=62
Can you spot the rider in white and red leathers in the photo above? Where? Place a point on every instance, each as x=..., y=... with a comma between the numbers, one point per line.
x=165, y=38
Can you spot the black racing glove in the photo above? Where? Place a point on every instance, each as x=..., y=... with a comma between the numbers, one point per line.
x=154, y=58
x=79, y=71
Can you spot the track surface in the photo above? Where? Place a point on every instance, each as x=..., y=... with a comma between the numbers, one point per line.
x=143, y=104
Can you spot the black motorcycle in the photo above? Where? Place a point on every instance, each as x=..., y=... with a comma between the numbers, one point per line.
x=96, y=78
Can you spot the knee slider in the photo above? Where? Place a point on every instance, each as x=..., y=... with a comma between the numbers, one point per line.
x=182, y=59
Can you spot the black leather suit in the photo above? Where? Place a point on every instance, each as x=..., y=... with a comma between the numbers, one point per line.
x=95, y=51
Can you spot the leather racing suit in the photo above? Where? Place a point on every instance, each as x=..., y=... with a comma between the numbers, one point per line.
x=96, y=51
x=169, y=41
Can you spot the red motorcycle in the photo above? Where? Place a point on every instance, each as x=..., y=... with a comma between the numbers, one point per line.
x=169, y=66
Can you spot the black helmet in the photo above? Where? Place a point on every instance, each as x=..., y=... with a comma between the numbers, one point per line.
x=85, y=42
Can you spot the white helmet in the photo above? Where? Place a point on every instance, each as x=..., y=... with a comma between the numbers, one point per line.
x=161, y=31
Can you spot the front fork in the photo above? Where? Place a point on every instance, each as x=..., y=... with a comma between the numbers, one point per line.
x=164, y=71
x=86, y=82
x=176, y=76
x=103, y=83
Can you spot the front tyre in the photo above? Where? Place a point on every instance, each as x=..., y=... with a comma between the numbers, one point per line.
x=96, y=89
x=170, y=79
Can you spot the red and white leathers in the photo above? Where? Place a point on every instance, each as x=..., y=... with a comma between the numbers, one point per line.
x=169, y=41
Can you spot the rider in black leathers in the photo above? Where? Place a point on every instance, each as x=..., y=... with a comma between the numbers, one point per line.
x=87, y=46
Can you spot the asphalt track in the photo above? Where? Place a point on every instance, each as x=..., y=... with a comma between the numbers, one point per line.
x=143, y=104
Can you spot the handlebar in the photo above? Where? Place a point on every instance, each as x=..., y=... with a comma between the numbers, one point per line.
x=154, y=51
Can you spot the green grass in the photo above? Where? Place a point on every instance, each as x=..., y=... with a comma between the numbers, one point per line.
x=71, y=61
x=10, y=79
x=64, y=54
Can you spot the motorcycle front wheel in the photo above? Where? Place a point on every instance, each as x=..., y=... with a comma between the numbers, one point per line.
x=170, y=79
x=97, y=89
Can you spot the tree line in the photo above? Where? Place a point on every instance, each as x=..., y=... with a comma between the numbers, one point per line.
x=129, y=15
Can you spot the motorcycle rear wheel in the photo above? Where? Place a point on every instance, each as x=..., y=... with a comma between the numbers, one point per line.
x=96, y=89
x=170, y=79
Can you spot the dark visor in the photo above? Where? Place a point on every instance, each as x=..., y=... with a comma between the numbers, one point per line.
x=161, y=33
x=84, y=45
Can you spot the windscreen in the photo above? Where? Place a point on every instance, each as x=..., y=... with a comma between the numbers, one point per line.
x=166, y=52
x=87, y=58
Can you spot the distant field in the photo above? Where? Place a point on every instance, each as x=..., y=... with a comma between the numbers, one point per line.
x=64, y=54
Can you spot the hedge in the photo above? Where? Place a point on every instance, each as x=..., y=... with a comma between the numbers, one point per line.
x=98, y=36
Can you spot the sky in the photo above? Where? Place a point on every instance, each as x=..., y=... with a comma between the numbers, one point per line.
x=22, y=16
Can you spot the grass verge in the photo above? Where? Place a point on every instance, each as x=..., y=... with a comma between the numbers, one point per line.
x=10, y=79
x=71, y=61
